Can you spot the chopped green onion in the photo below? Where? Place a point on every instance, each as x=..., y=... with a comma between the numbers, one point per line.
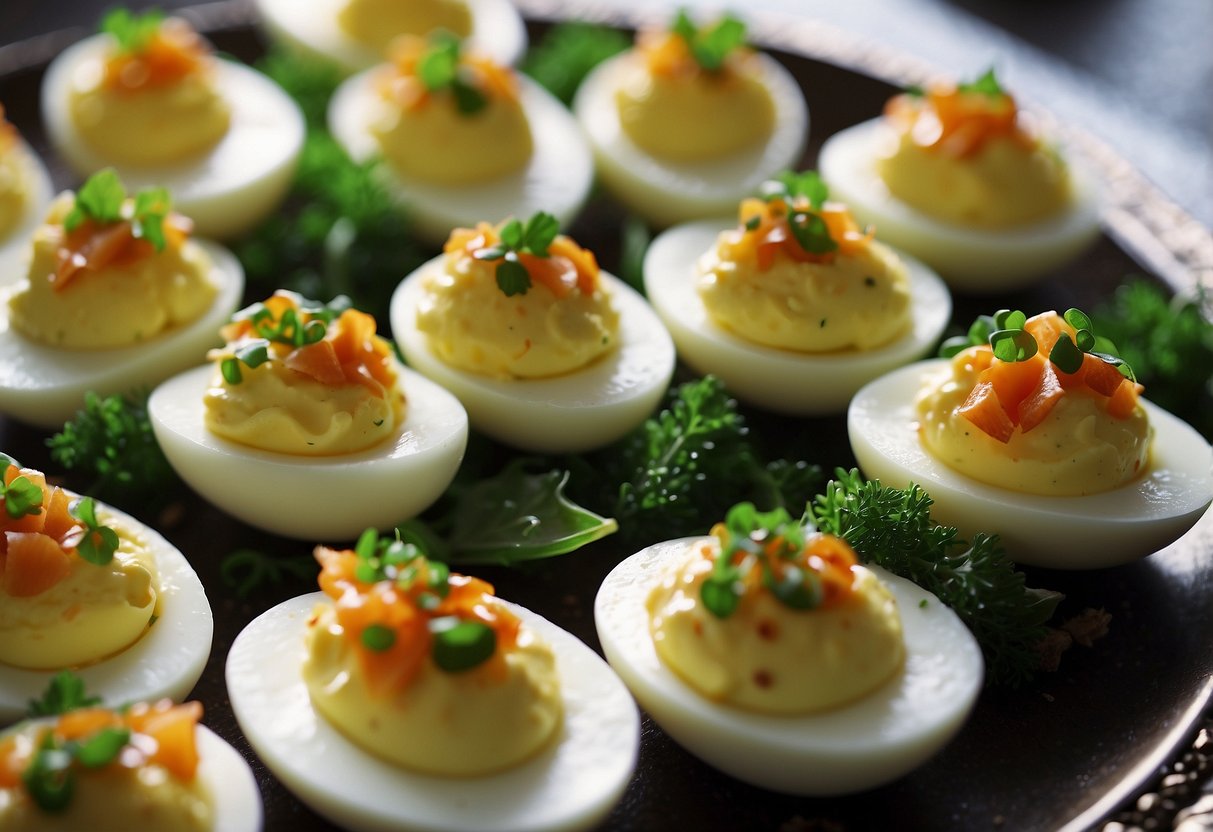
x=379, y=638
x=461, y=645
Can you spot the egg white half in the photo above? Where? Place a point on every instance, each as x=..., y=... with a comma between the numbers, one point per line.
x=45, y=385
x=165, y=662
x=1085, y=532
x=310, y=27
x=571, y=413
x=666, y=192
x=14, y=247
x=327, y=498
x=781, y=380
x=236, y=800
x=571, y=784
x=978, y=261
x=883, y=736
x=225, y=191
x=556, y=179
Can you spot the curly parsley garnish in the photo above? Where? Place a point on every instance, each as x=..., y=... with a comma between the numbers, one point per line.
x=710, y=45
x=439, y=69
x=65, y=692
x=103, y=200
x=1004, y=332
x=533, y=238
x=132, y=31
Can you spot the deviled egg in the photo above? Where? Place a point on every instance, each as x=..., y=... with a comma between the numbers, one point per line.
x=768, y=652
x=793, y=307
x=462, y=137
x=405, y=696
x=146, y=97
x=357, y=34
x=25, y=192
x=117, y=294
x=85, y=586
x=147, y=766
x=957, y=176
x=306, y=425
x=546, y=351
x=691, y=121
x=1036, y=434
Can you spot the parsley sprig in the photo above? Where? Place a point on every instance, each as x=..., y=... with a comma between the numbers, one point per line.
x=1004, y=332
x=750, y=536
x=710, y=45
x=805, y=194
x=65, y=692
x=440, y=71
x=132, y=31
x=22, y=497
x=892, y=528
x=532, y=237
x=103, y=199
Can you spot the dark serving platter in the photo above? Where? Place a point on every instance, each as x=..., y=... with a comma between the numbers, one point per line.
x=1063, y=752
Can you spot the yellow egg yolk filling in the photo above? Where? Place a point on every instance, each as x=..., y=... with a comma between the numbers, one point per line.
x=98, y=286
x=151, y=782
x=377, y=23
x=964, y=157
x=562, y=323
x=673, y=108
x=154, y=106
x=56, y=609
x=395, y=700
x=766, y=656
x=338, y=394
x=434, y=135
x=1028, y=426
x=15, y=183
x=761, y=284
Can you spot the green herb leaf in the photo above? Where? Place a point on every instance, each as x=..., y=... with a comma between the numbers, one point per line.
x=438, y=63
x=378, y=638
x=21, y=497
x=807, y=184
x=461, y=645
x=710, y=45
x=1065, y=355
x=99, y=199
x=720, y=595
x=65, y=692
x=48, y=778
x=985, y=84
x=102, y=747
x=1013, y=345
x=517, y=516
x=99, y=542
x=132, y=31
x=811, y=232
x=151, y=208
x=540, y=230
x=513, y=278
x=797, y=589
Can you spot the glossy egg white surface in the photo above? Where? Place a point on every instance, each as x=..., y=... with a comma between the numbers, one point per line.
x=45, y=385
x=571, y=784
x=575, y=412
x=14, y=246
x=225, y=191
x=859, y=746
x=667, y=192
x=328, y=498
x=310, y=27
x=1085, y=532
x=978, y=261
x=556, y=179
x=781, y=380
x=166, y=662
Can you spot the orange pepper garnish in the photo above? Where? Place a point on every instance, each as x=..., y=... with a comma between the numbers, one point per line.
x=955, y=122
x=173, y=53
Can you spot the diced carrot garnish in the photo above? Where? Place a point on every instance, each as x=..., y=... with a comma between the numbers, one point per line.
x=12, y=763
x=1100, y=376
x=1014, y=381
x=984, y=409
x=1037, y=405
x=59, y=520
x=76, y=724
x=34, y=563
